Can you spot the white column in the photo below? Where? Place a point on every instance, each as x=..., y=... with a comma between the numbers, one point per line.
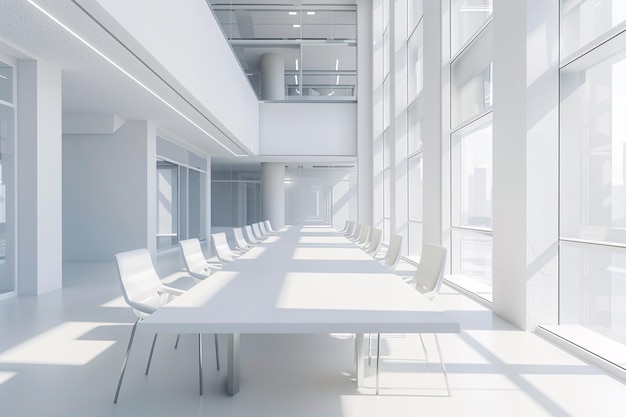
x=365, y=165
x=525, y=161
x=39, y=161
x=272, y=77
x=432, y=128
x=273, y=193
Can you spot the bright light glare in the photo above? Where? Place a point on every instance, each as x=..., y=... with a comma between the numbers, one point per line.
x=5, y=376
x=60, y=345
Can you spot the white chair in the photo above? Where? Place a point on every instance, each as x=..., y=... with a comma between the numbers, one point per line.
x=356, y=230
x=145, y=293
x=393, y=251
x=221, y=248
x=350, y=230
x=345, y=227
x=428, y=278
x=257, y=232
x=361, y=240
x=264, y=231
x=250, y=235
x=195, y=262
x=373, y=243
x=268, y=226
x=241, y=242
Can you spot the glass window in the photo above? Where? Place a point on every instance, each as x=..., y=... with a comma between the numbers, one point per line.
x=416, y=119
x=6, y=82
x=386, y=53
x=416, y=63
x=593, y=288
x=471, y=75
x=167, y=204
x=181, y=204
x=415, y=11
x=416, y=183
x=471, y=254
x=387, y=102
x=593, y=145
x=472, y=175
x=467, y=17
x=386, y=204
x=7, y=200
x=583, y=21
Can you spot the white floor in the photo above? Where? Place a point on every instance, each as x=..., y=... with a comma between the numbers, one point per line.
x=60, y=355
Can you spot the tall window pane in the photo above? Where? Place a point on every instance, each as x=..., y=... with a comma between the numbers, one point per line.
x=467, y=16
x=471, y=86
x=582, y=21
x=416, y=193
x=415, y=63
x=7, y=199
x=416, y=119
x=472, y=175
x=167, y=204
x=415, y=11
x=593, y=145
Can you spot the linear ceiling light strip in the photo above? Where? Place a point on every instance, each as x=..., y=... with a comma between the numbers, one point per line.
x=93, y=48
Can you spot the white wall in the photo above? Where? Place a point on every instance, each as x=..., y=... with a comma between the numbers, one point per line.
x=109, y=192
x=185, y=38
x=39, y=177
x=308, y=129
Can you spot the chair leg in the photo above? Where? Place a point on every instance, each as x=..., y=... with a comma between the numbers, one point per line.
x=151, y=352
x=130, y=343
x=425, y=351
x=377, y=362
x=177, y=339
x=443, y=366
x=200, y=362
x=369, y=349
x=217, y=353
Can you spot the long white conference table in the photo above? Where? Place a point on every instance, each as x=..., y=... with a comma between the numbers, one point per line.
x=300, y=280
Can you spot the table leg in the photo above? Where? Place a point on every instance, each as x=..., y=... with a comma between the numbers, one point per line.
x=359, y=360
x=232, y=382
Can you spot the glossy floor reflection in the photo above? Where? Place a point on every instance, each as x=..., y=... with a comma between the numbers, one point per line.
x=60, y=355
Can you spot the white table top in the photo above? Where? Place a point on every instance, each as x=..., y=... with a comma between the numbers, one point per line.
x=302, y=280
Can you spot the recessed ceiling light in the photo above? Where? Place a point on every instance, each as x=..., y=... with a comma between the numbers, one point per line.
x=310, y=13
x=293, y=13
x=296, y=25
x=296, y=64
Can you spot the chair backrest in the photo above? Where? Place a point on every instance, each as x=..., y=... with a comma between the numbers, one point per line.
x=355, y=231
x=264, y=231
x=393, y=251
x=138, y=279
x=363, y=235
x=250, y=235
x=257, y=231
x=345, y=227
x=194, y=259
x=374, y=241
x=268, y=226
x=429, y=274
x=350, y=228
x=240, y=240
x=220, y=245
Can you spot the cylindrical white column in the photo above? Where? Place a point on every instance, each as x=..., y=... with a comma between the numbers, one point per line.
x=273, y=193
x=272, y=77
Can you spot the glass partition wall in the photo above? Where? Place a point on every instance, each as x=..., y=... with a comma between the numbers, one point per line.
x=8, y=283
x=316, y=44
x=181, y=203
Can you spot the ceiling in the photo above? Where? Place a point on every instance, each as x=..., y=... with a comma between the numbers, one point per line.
x=317, y=40
x=93, y=84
